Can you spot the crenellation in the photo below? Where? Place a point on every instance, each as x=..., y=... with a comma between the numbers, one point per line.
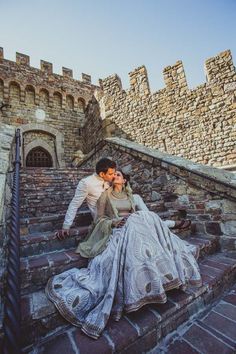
x=112, y=84
x=193, y=123
x=67, y=72
x=174, y=77
x=22, y=59
x=32, y=96
x=175, y=119
x=220, y=67
x=46, y=67
x=86, y=78
x=139, y=83
x=1, y=53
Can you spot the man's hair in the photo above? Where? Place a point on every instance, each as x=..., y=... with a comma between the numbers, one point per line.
x=103, y=165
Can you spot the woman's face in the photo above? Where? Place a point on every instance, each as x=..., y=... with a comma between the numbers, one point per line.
x=119, y=179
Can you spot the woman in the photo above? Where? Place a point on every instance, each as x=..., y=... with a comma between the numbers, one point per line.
x=135, y=259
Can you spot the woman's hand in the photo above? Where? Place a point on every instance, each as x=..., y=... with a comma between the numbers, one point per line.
x=118, y=223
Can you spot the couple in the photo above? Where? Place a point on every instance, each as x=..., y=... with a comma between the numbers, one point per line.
x=134, y=257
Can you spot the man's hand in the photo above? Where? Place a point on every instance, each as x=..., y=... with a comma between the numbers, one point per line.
x=62, y=234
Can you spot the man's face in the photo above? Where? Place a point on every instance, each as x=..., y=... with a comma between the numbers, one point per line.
x=109, y=175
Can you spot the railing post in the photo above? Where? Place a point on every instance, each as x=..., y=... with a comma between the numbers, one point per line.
x=12, y=310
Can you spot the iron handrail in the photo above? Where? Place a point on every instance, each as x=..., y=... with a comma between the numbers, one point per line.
x=12, y=309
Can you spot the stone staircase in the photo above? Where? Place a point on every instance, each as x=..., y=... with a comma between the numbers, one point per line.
x=45, y=195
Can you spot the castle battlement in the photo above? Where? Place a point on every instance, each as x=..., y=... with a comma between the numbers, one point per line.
x=45, y=67
x=195, y=123
x=19, y=79
x=217, y=69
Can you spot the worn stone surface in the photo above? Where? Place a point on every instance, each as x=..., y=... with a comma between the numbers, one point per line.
x=212, y=331
x=7, y=133
x=198, y=124
x=44, y=105
x=145, y=330
x=42, y=256
x=194, y=123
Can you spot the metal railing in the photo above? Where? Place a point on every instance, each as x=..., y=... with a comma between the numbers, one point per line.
x=12, y=310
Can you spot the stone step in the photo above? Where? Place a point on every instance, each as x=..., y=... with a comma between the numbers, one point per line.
x=44, y=242
x=137, y=332
x=46, y=206
x=35, y=171
x=215, y=326
x=36, y=270
x=46, y=223
x=58, y=204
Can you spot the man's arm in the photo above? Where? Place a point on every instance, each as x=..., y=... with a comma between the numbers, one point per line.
x=80, y=195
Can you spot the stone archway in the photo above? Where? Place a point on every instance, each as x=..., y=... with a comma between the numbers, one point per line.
x=40, y=133
x=43, y=149
x=38, y=157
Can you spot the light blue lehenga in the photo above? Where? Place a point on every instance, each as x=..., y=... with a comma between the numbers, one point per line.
x=141, y=261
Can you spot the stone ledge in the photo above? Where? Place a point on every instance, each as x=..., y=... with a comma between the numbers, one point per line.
x=224, y=182
x=212, y=173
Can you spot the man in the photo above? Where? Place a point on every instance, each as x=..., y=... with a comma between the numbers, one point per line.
x=89, y=188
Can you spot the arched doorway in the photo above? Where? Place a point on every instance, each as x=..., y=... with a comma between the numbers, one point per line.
x=39, y=157
x=41, y=135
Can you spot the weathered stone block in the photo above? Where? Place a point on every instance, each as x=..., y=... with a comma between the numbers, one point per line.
x=213, y=228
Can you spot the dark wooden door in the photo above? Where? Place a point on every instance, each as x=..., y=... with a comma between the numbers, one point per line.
x=38, y=157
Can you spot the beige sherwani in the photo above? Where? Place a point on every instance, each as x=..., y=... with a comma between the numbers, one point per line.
x=89, y=189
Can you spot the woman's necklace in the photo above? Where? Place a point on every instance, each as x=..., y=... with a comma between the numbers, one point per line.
x=119, y=195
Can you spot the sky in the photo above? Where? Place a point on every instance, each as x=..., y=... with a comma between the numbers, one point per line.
x=104, y=37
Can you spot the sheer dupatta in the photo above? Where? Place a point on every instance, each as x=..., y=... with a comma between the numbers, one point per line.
x=101, y=229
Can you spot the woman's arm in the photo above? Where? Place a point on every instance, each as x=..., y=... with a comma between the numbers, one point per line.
x=139, y=203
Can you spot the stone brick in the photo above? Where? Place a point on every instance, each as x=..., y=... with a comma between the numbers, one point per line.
x=25, y=308
x=179, y=297
x=213, y=228
x=231, y=298
x=122, y=333
x=208, y=343
x=216, y=265
x=144, y=344
x=180, y=347
x=58, y=344
x=88, y=345
x=144, y=320
x=164, y=310
x=58, y=258
x=221, y=324
x=174, y=321
x=226, y=310
x=38, y=262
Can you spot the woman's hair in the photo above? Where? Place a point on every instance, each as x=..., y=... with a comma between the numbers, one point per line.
x=103, y=165
x=125, y=176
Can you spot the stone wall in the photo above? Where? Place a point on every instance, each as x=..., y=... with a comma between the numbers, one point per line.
x=38, y=96
x=206, y=195
x=198, y=124
x=6, y=146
